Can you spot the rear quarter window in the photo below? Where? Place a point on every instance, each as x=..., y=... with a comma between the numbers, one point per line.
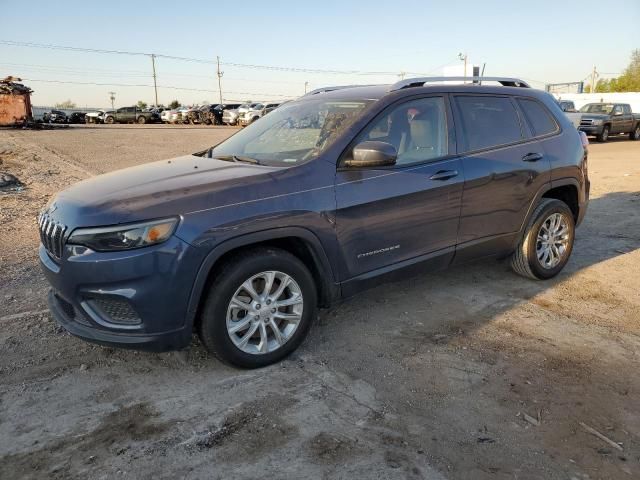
x=538, y=117
x=487, y=121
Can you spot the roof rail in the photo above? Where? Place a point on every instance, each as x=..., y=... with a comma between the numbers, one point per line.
x=331, y=89
x=419, y=82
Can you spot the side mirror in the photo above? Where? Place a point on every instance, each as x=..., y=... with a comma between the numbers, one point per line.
x=373, y=154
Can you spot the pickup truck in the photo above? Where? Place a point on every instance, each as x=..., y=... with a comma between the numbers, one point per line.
x=605, y=119
x=130, y=115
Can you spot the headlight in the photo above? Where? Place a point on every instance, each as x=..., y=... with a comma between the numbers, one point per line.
x=124, y=237
x=596, y=122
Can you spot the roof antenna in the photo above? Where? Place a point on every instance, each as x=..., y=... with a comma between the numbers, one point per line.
x=482, y=73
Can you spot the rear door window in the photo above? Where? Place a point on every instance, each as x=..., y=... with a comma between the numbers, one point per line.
x=487, y=121
x=540, y=120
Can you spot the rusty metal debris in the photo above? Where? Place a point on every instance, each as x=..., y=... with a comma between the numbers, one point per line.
x=9, y=182
x=15, y=102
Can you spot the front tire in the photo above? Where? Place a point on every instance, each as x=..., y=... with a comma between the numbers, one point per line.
x=547, y=243
x=109, y=120
x=142, y=120
x=259, y=308
x=604, y=135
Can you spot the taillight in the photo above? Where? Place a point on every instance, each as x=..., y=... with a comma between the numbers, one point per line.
x=584, y=140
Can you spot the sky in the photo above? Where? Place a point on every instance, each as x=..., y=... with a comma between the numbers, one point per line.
x=539, y=41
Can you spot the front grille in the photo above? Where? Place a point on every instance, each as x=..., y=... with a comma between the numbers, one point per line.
x=51, y=235
x=115, y=310
x=586, y=122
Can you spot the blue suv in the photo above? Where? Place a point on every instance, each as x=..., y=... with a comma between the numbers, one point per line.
x=325, y=196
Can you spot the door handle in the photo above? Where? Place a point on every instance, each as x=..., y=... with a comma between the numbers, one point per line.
x=444, y=175
x=532, y=157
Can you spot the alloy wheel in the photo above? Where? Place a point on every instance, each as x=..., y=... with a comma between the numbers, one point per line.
x=553, y=240
x=264, y=312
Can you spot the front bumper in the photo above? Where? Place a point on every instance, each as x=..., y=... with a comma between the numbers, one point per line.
x=153, y=284
x=139, y=341
x=591, y=129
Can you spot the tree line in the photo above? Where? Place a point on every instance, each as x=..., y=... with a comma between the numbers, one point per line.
x=629, y=81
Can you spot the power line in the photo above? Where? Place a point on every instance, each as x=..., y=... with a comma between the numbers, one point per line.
x=170, y=87
x=197, y=60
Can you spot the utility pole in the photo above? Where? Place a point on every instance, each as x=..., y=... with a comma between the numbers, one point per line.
x=220, y=74
x=155, y=85
x=594, y=74
x=112, y=97
x=306, y=84
x=463, y=56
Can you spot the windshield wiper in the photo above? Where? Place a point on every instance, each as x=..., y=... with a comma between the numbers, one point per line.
x=235, y=158
x=240, y=158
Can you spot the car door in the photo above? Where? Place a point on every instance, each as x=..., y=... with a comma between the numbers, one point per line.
x=504, y=169
x=617, y=119
x=628, y=118
x=121, y=114
x=388, y=216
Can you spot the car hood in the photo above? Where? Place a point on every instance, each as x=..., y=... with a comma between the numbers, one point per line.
x=159, y=189
x=595, y=116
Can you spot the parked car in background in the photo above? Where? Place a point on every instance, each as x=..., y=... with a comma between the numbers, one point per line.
x=96, y=116
x=165, y=116
x=192, y=115
x=230, y=116
x=328, y=195
x=257, y=111
x=181, y=115
x=130, y=115
x=218, y=111
x=605, y=119
x=55, y=116
x=206, y=115
x=270, y=107
x=569, y=109
x=253, y=113
x=77, y=117
x=567, y=105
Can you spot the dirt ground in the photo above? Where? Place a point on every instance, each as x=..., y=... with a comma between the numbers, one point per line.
x=433, y=377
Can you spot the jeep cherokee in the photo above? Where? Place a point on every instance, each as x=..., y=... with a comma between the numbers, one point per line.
x=325, y=196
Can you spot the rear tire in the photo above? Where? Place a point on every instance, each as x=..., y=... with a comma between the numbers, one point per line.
x=220, y=311
x=526, y=260
x=635, y=133
x=604, y=135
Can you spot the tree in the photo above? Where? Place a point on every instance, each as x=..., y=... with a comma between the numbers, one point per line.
x=629, y=81
x=142, y=105
x=175, y=104
x=66, y=104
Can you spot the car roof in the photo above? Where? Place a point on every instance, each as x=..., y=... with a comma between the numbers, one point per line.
x=377, y=92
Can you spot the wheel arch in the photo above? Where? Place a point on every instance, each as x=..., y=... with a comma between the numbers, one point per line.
x=566, y=190
x=298, y=241
x=560, y=189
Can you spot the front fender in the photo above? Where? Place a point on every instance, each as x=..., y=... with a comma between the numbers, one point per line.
x=312, y=241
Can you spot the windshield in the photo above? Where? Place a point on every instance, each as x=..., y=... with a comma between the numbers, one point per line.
x=294, y=133
x=605, y=108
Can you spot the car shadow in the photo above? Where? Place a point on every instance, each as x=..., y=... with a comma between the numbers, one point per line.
x=476, y=292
